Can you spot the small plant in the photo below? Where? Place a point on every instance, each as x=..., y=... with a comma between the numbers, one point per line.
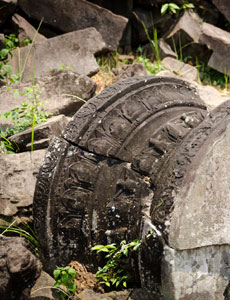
x=152, y=68
x=209, y=76
x=5, y=68
x=108, y=62
x=6, y=146
x=28, y=233
x=173, y=8
x=153, y=42
x=64, y=277
x=112, y=273
x=27, y=114
x=26, y=42
x=63, y=67
x=23, y=116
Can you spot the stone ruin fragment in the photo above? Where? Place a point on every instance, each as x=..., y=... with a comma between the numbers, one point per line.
x=144, y=155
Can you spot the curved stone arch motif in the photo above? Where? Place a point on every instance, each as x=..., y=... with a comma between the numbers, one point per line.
x=96, y=182
x=182, y=163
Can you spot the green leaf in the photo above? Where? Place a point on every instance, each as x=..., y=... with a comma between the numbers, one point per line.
x=164, y=8
x=190, y=5
x=72, y=287
x=174, y=6
x=72, y=272
x=56, y=273
x=57, y=283
x=7, y=68
x=4, y=53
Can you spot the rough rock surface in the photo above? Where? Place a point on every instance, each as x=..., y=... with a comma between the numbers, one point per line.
x=61, y=90
x=193, y=211
x=74, y=49
x=180, y=69
x=18, y=177
x=25, y=30
x=185, y=37
x=41, y=289
x=19, y=268
x=42, y=134
x=210, y=95
x=136, y=69
x=77, y=15
x=165, y=50
x=219, y=41
x=120, y=140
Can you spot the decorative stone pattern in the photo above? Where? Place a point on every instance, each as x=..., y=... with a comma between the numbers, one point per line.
x=95, y=185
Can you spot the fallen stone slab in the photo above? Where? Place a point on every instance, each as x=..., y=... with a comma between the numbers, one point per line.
x=42, y=289
x=180, y=69
x=42, y=134
x=25, y=30
x=18, y=177
x=165, y=50
x=78, y=15
x=211, y=96
x=136, y=69
x=142, y=15
x=119, y=140
x=73, y=50
x=184, y=38
x=218, y=41
x=193, y=210
x=223, y=7
x=62, y=91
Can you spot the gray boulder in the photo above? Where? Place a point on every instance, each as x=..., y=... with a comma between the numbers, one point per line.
x=195, y=182
x=18, y=177
x=180, y=69
x=63, y=92
x=184, y=38
x=25, y=30
x=19, y=268
x=42, y=134
x=77, y=15
x=42, y=290
x=218, y=41
x=165, y=50
x=74, y=49
x=136, y=69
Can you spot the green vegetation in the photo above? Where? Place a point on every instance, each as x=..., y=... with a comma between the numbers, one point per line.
x=23, y=116
x=209, y=76
x=173, y=8
x=24, y=231
x=28, y=114
x=112, y=273
x=152, y=67
x=6, y=76
x=64, y=277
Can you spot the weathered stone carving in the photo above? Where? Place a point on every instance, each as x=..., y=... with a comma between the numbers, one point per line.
x=96, y=183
